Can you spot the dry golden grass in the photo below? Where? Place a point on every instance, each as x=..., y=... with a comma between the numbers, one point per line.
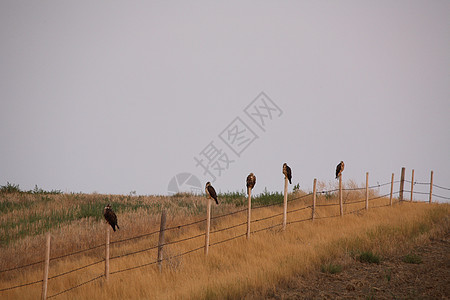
x=232, y=268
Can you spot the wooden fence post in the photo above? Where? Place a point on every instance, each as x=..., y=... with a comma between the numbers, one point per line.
x=162, y=230
x=431, y=185
x=402, y=184
x=314, y=199
x=392, y=189
x=341, y=206
x=367, y=190
x=249, y=214
x=208, y=225
x=285, y=202
x=412, y=185
x=46, y=266
x=107, y=252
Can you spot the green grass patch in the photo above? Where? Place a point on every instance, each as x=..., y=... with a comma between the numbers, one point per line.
x=268, y=198
x=412, y=259
x=369, y=257
x=331, y=268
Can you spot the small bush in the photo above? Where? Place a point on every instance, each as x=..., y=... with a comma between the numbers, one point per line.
x=10, y=188
x=268, y=198
x=331, y=268
x=412, y=259
x=369, y=257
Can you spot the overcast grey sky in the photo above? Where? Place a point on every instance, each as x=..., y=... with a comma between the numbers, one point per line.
x=120, y=96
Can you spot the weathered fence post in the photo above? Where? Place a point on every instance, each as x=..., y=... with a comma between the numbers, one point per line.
x=285, y=202
x=46, y=266
x=392, y=189
x=107, y=252
x=249, y=214
x=341, y=206
x=431, y=185
x=402, y=184
x=367, y=190
x=162, y=230
x=412, y=185
x=314, y=199
x=208, y=225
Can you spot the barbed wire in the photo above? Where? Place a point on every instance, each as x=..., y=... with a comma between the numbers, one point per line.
x=20, y=285
x=227, y=228
x=77, y=286
x=266, y=218
x=329, y=204
x=229, y=214
x=441, y=187
x=299, y=197
x=154, y=247
x=298, y=209
x=355, y=202
x=154, y=262
x=354, y=211
x=442, y=197
x=24, y=266
x=77, y=269
x=416, y=182
x=77, y=252
x=229, y=239
x=298, y=221
x=266, y=228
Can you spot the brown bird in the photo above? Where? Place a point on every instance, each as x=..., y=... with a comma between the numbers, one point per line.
x=287, y=172
x=339, y=169
x=110, y=217
x=251, y=181
x=211, y=192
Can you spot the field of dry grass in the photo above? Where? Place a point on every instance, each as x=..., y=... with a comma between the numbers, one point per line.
x=232, y=268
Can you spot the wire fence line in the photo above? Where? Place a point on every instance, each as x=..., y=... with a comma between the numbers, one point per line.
x=200, y=235
x=441, y=187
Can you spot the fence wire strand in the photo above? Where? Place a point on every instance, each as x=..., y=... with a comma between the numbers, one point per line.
x=20, y=285
x=441, y=187
x=77, y=286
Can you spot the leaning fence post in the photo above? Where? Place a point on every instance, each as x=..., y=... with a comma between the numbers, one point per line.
x=341, y=206
x=314, y=199
x=208, y=224
x=107, y=252
x=431, y=185
x=412, y=185
x=285, y=202
x=249, y=214
x=46, y=266
x=402, y=183
x=367, y=190
x=392, y=189
x=162, y=230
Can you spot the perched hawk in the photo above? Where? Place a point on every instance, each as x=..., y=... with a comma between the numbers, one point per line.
x=110, y=217
x=211, y=192
x=251, y=181
x=287, y=172
x=339, y=169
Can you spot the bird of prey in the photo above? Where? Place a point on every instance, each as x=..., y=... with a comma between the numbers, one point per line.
x=211, y=192
x=251, y=181
x=339, y=169
x=110, y=217
x=287, y=172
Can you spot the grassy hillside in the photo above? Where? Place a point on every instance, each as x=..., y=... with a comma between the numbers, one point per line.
x=231, y=269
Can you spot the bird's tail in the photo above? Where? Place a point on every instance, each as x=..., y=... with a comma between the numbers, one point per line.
x=290, y=182
x=217, y=202
x=114, y=228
